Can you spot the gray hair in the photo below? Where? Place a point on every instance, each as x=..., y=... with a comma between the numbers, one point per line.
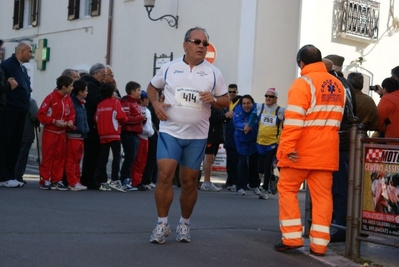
x=68, y=72
x=188, y=33
x=96, y=68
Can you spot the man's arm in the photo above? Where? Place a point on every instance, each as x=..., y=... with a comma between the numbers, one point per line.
x=221, y=101
x=152, y=94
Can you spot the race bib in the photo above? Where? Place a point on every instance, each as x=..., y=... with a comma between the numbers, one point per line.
x=268, y=120
x=187, y=98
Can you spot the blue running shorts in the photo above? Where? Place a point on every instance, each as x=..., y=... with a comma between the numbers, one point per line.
x=188, y=152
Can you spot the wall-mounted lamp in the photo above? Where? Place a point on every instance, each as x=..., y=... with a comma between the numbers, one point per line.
x=173, y=21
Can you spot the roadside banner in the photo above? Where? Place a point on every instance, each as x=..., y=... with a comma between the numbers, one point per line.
x=380, y=192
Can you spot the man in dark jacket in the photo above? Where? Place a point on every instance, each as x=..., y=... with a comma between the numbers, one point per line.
x=92, y=143
x=215, y=138
x=15, y=110
x=340, y=177
x=229, y=142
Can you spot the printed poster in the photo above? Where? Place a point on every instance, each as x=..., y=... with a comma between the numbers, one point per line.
x=380, y=209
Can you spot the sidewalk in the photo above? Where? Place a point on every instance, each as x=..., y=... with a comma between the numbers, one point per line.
x=371, y=254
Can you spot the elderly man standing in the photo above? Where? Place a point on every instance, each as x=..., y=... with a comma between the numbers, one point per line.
x=92, y=143
x=15, y=110
x=109, y=78
x=191, y=86
x=271, y=117
x=309, y=150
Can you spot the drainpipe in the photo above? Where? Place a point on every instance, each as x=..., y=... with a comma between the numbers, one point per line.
x=109, y=32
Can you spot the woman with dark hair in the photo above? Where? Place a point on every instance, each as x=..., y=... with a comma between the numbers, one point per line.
x=246, y=131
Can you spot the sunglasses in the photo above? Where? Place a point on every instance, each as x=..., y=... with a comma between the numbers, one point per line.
x=270, y=96
x=198, y=41
x=232, y=92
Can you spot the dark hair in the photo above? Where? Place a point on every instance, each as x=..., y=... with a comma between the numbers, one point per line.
x=1, y=42
x=308, y=54
x=188, y=33
x=233, y=85
x=249, y=97
x=390, y=84
x=395, y=72
x=79, y=86
x=107, y=90
x=356, y=80
x=130, y=86
x=63, y=81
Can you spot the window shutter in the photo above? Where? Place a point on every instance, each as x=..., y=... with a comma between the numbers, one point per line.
x=18, y=14
x=95, y=8
x=73, y=9
x=35, y=12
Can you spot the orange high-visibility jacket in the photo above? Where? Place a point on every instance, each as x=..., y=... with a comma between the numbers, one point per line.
x=312, y=120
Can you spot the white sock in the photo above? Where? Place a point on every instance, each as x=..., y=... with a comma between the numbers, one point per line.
x=163, y=220
x=186, y=221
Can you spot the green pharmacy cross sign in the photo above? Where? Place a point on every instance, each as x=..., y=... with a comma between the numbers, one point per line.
x=42, y=54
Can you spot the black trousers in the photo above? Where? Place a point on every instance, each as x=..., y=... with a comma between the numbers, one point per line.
x=92, y=150
x=12, y=129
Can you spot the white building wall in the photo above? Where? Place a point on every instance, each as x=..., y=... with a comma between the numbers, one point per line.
x=379, y=58
x=256, y=40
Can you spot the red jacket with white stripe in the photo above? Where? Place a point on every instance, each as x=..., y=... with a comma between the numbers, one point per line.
x=56, y=106
x=109, y=117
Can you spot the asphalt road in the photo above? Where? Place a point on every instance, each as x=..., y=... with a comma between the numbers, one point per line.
x=93, y=228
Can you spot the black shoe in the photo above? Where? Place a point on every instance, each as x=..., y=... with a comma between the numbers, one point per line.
x=141, y=187
x=59, y=186
x=338, y=237
x=316, y=253
x=281, y=247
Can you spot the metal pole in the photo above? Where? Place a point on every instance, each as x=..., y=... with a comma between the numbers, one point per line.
x=351, y=175
x=357, y=187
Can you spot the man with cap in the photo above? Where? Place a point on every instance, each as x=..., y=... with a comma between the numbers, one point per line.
x=366, y=109
x=340, y=177
x=309, y=150
x=271, y=117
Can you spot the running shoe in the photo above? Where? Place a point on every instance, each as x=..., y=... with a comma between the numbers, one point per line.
x=160, y=232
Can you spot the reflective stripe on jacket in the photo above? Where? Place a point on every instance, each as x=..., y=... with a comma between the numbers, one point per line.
x=312, y=120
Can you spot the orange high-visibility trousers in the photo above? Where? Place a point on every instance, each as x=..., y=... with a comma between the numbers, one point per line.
x=319, y=183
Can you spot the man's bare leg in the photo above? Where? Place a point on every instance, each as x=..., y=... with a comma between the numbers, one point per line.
x=188, y=195
x=209, y=158
x=164, y=191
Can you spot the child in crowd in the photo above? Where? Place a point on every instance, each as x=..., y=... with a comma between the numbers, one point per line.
x=142, y=151
x=130, y=130
x=75, y=137
x=56, y=114
x=109, y=117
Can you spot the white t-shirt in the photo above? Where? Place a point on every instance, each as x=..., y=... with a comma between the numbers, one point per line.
x=188, y=118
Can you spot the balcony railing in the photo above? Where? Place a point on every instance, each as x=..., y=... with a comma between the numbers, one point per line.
x=360, y=19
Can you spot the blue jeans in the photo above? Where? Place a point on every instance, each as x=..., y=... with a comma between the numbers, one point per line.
x=248, y=171
x=130, y=143
x=340, y=189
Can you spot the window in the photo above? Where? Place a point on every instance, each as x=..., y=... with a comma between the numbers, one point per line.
x=83, y=8
x=360, y=19
x=26, y=13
